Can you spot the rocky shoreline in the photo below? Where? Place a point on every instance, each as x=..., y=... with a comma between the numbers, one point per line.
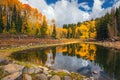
x=10, y=70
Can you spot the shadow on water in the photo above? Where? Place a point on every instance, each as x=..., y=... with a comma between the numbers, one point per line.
x=82, y=58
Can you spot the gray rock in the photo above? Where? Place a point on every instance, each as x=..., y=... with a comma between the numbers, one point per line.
x=38, y=70
x=25, y=70
x=3, y=61
x=31, y=70
x=60, y=70
x=43, y=77
x=46, y=72
x=91, y=78
x=44, y=68
x=14, y=76
x=55, y=77
x=11, y=68
x=67, y=78
x=28, y=77
x=49, y=75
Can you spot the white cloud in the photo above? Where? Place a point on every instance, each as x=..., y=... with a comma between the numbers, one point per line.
x=84, y=5
x=65, y=12
x=97, y=10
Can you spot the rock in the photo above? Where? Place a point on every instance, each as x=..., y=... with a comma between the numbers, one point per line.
x=59, y=70
x=46, y=72
x=55, y=77
x=43, y=77
x=44, y=68
x=31, y=70
x=25, y=70
x=38, y=70
x=3, y=61
x=14, y=76
x=91, y=78
x=95, y=72
x=28, y=77
x=49, y=75
x=66, y=71
x=67, y=78
x=11, y=68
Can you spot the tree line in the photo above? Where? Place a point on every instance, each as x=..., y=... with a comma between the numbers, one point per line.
x=108, y=26
x=17, y=18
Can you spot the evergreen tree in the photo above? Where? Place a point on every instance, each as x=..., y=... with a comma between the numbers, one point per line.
x=19, y=23
x=44, y=28
x=117, y=14
x=1, y=24
x=13, y=30
x=54, y=32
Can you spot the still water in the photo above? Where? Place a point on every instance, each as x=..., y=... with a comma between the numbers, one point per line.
x=80, y=58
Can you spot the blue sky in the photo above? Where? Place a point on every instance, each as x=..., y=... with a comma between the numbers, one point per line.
x=72, y=11
x=106, y=4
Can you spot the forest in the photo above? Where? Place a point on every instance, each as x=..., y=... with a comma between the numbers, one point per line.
x=21, y=19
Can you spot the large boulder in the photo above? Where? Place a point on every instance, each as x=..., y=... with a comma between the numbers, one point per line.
x=14, y=76
x=11, y=68
x=55, y=77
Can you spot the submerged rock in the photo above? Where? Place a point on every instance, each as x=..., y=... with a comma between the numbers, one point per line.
x=95, y=72
x=14, y=76
x=55, y=77
x=11, y=68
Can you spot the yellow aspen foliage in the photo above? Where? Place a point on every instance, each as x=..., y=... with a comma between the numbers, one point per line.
x=87, y=29
x=87, y=51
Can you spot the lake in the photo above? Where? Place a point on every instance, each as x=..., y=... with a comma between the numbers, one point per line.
x=81, y=58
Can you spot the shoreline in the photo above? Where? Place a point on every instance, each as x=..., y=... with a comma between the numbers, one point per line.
x=18, y=70
x=108, y=44
x=6, y=51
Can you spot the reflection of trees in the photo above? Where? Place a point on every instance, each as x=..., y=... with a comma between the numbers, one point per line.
x=109, y=60
x=35, y=56
x=85, y=51
x=54, y=52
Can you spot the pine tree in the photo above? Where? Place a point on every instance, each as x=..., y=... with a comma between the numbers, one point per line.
x=43, y=29
x=1, y=22
x=13, y=30
x=54, y=32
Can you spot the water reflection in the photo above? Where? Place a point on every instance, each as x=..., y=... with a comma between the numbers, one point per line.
x=82, y=58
